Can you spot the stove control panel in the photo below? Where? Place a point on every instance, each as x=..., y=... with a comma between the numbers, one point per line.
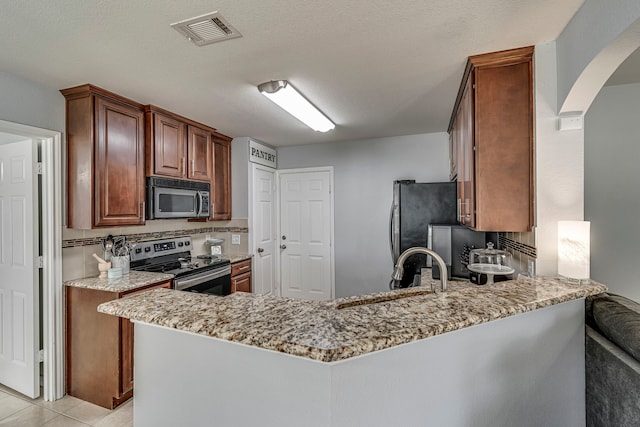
x=156, y=248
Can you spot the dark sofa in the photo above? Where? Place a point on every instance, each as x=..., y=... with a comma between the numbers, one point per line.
x=612, y=361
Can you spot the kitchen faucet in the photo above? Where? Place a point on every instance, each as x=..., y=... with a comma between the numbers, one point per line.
x=399, y=269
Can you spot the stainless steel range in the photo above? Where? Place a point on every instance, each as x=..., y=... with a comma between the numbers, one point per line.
x=202, y=274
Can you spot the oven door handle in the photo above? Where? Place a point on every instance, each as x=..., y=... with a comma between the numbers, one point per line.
x=187, y=282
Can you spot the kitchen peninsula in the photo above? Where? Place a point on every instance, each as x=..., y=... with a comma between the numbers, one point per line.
x=510, y=353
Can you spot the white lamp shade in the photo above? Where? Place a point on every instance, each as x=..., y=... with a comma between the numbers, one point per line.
x=574, y=249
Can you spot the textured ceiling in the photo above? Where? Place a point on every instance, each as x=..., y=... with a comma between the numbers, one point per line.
x=376, y=68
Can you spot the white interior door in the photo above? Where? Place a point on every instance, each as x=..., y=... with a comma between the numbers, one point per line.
x=264, y=230
x=306, y=232
x=19, y=293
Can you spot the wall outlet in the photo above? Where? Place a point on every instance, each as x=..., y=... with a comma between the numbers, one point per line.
x=235, y=239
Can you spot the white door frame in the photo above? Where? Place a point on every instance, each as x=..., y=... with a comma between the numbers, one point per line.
x=280, y=172
x=51, y=241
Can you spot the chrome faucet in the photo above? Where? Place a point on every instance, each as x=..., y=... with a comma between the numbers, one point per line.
x=399, y=269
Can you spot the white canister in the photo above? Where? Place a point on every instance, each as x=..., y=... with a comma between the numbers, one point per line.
x=121, y=262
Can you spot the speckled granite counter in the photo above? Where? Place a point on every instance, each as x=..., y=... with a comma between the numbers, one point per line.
x=237, y=257
x=346, y=327
x=134, y=280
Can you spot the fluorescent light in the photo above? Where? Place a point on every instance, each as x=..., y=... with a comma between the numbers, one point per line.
x=574, y=251
x=289, y=99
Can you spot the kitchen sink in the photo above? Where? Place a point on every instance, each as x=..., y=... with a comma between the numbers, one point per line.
x=374, y=299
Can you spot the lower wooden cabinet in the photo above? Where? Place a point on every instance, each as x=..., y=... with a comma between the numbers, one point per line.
x=99, y=347
x=241, y=276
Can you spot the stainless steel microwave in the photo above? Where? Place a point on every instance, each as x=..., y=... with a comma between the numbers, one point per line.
x=174, y=198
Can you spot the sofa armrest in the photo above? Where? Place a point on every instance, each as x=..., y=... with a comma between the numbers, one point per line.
x=612, y=383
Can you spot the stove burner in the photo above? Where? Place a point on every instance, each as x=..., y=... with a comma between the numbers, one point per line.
x=188, y=263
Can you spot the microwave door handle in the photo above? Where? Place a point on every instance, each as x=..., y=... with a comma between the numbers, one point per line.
x=199, y=204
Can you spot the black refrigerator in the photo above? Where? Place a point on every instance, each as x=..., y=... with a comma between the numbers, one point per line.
x=415, y=206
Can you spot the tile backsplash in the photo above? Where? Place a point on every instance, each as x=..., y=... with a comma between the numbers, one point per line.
x=522, y=248
x=79, y=245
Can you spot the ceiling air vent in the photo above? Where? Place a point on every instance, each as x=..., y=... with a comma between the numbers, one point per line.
x=206, y=29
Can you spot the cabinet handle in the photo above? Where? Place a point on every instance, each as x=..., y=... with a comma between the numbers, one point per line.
x=142, y=206
x=193, y=165
x=184, y=166
x=244, y=267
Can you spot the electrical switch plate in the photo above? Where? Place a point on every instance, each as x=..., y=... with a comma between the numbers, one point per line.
x=235, y=239
x=570, y=121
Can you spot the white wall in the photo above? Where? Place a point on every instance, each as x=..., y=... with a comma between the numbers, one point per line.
x=612, y=187
x=364, y=172
x=598, y=38
x=26, y=102
x=239, y=178
x=559, y=164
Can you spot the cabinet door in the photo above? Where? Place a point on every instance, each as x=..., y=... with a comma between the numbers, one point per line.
x=126, y=345
x=169, y=149
x=119, y=164
x=222, y=181
x=241, y=283
x=199, y=154
x=504, y=147
x=467, y=146
x=453, y=153
x=464, y=132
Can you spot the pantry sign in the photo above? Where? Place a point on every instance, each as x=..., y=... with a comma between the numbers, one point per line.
x=261, y=154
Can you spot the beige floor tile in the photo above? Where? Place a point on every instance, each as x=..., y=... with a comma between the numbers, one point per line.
x=32, y=415
x=121, y=417
x=62, y=421
x=61, y=405
x=10, y=405
x=87, y=413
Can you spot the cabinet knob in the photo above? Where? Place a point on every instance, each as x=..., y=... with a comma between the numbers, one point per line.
x=260, y=250
x=283, y=246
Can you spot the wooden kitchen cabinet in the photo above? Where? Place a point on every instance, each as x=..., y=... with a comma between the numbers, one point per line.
x=221, y=187
x=241, y=276
x=105, y=159
x=492, y=129
x=177, y=147
x=99, y=347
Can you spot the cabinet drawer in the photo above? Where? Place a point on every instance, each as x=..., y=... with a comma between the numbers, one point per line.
x=165, y=284
x=240, y=267
x=241, y=283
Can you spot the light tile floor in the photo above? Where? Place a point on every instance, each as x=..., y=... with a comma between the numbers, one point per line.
x=18, y=410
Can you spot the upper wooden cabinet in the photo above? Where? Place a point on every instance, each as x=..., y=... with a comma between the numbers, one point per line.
x=221, y=187
x=177, y=147
x=492, y=129
x=105, y=159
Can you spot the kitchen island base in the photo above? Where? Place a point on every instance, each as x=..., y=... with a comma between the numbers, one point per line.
x=524, y=370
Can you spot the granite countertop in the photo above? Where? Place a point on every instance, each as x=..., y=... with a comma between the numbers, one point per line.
x=133, y=280
x=237, y=257
x=329, y=331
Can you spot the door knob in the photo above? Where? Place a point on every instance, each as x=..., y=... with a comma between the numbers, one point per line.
x=260, y=250
x=284, y=237
x=283, y=246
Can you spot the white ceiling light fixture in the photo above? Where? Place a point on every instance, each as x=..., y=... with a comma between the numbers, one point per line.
x=282, y=93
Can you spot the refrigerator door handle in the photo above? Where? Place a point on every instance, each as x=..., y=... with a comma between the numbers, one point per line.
x=391, y=239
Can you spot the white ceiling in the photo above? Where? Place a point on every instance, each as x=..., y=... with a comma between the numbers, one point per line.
x=375, y=67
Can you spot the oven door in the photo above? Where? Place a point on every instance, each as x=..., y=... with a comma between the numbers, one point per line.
x=216, y=282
